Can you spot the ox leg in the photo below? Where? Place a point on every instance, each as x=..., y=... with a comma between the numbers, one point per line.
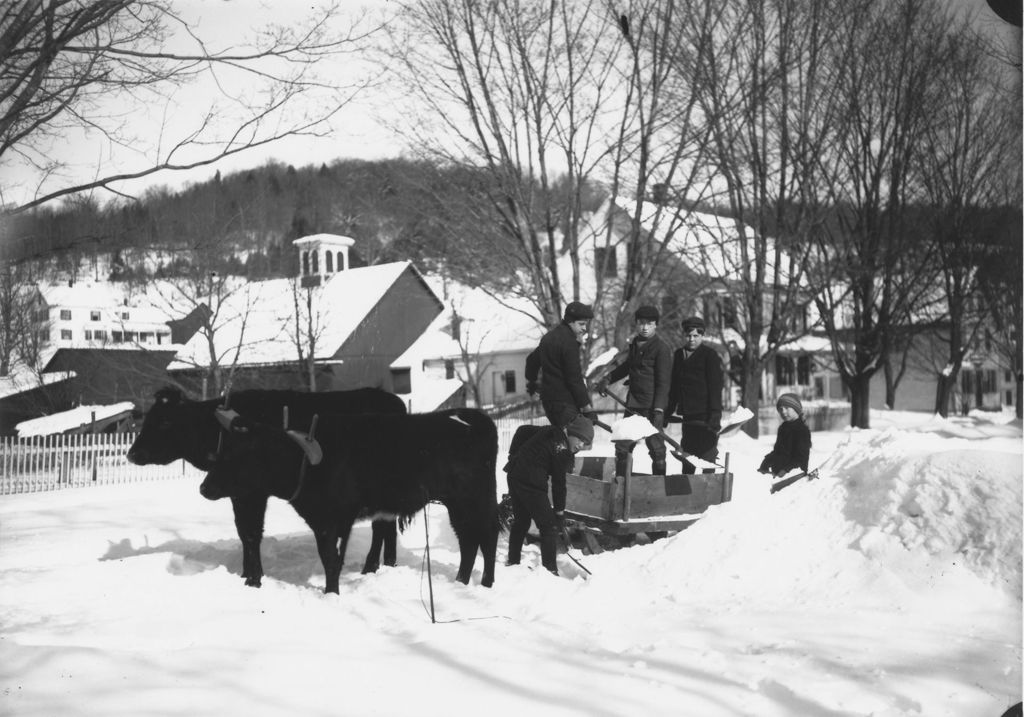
x=250, y=512
x=468, y=535
x=331, y=544
x=489, y=545
x=330, y=558
x=384, y=536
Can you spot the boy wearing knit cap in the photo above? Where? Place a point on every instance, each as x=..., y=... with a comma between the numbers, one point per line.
x=792, y=442
x=554, y=367
x=546, y=454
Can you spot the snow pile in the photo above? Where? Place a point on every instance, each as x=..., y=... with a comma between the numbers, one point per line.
x=888, y=586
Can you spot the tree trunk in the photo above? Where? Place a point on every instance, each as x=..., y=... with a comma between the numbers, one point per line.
x=860, y=401
x=890, y=384
x=943, y=389
x=751, y=394
x=1020, y=395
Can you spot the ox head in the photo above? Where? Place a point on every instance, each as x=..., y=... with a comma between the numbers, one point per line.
x=166, y=430
x=255, y=459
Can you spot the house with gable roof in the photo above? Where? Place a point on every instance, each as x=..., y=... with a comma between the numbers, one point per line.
x=352, y=322
x=478, y=344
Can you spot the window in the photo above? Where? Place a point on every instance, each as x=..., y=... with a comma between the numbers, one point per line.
x=669, y=303
x=449, y=368
x=803, y=370
x=305, y=263
x=145, y=337
x=65, y=334
x=125, y=316
x=88, y=335
x=1007, y=376
x=316, y=262
x=116, y=337
x=1009, y=398
x=44, y=336
x=401, y=380
x=65, y=314
x=130, y=336
x=510, y=382
x=329, y=262
x=729, y=312
x=784, y=370
x=989, y=385
x=163, y=338
x=341, y=261
x=94, y=316
x=99, y=335
x=604, y=262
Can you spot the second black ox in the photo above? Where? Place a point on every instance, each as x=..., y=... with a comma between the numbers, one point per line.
x=374, y=463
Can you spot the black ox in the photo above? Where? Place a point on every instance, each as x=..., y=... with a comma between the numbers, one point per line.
x=376, y=463
x=178, y=428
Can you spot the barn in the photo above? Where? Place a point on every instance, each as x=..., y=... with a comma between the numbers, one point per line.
x=349, y=324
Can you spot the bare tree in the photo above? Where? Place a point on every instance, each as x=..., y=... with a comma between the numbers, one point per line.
x=65, y=64
x=306, y=330
x=514, y=88
x=767, y=85
x=888, y=92
x=971, y=148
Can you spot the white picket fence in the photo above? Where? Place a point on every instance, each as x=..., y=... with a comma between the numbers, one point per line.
x=44, y=463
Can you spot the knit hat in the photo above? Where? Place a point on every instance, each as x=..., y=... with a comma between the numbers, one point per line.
x=693, y=322
x=576, y=311
x=647, y=313
x=791, y=400
x=582, y=428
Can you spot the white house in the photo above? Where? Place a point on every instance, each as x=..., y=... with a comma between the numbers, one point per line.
x=98, y=315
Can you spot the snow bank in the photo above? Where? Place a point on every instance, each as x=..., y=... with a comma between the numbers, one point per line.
x=908, y=509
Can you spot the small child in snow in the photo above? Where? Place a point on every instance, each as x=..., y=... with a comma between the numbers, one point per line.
x=793, y=441
x=547, y=454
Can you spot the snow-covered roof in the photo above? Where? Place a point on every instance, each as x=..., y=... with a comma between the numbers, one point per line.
x=21, y=379
x=706, y=241
x=324, y=239
x=487, y=324
x=258, y=320
x=430, y=393
x=69, y=420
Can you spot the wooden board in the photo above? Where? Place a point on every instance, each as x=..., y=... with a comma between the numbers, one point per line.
x=596, y=493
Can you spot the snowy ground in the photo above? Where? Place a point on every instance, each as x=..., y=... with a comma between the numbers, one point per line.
x=890, y=586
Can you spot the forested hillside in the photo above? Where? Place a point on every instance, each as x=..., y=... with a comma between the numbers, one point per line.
x=244, y=223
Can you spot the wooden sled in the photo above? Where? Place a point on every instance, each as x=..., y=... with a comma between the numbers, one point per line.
x=620, y=508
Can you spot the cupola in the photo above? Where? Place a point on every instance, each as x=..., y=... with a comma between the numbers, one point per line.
x=321, y=256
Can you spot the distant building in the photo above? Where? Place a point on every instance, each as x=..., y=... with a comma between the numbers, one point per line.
x=349, y=324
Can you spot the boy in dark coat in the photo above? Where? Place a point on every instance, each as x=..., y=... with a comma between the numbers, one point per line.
x=547, y=454
x=649, y=367
x=563, y=393
x=793, y=440
x=695, y=393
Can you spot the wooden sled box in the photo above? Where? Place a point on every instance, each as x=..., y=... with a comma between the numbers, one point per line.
x=634, y=503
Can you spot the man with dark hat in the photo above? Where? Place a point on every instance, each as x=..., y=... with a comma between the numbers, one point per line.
x=547, y=454
x=563, y=393
x=648, y=365
x=695, y=393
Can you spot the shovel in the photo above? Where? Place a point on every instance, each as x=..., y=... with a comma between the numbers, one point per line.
x=678, y=451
